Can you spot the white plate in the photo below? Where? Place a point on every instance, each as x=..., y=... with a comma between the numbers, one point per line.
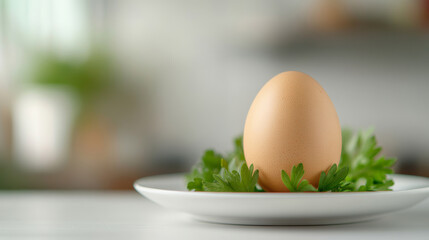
x=283, y=208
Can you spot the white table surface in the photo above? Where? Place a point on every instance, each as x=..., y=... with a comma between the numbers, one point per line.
x=127, y=215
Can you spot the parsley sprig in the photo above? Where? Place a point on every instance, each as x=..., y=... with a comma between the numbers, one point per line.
x=332, y=181
x=295, y=183
x=367, y=171
x=243, y=181
x=359, y=170
x=217, y=173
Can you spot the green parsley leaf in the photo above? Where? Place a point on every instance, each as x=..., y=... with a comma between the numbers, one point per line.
x=211, y=159
x=211, y=163
x=245, y=181
x=359, y=170
x=236, y=158
x=366, y=171
x=294, y=183
x=224, y=174
x=376, y=186
x=196, y=184
x=332, y=180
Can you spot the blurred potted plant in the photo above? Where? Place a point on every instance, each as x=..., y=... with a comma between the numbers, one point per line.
x=55, y=106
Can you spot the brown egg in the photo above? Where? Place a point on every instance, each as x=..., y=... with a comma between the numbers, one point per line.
x=292, y=120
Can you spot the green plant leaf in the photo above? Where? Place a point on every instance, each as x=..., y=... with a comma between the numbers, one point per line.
x=360, y=169
x=367, y=172
x=294, y=183
x=332, y=180
x=243, y=181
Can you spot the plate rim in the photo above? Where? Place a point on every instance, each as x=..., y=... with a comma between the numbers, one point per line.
x=139, y=187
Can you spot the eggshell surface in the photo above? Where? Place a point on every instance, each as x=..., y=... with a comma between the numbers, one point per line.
x=291, y=120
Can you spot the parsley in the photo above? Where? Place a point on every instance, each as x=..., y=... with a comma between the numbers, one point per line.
x=333, y=180
x=359, y=170
x=203, y=171
x=196, y=184
x=245, y=181
x=218, y=173
x=295, y=183
x=367, y=171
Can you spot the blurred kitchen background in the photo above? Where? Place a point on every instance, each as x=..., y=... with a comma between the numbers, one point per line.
x=95, y=94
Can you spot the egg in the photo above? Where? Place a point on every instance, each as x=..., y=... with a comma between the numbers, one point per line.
x=291, y=120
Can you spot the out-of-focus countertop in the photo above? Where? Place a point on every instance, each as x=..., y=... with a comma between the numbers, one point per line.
x=127, y=215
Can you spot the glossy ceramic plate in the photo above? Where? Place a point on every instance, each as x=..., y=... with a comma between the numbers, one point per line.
x=283, y=208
